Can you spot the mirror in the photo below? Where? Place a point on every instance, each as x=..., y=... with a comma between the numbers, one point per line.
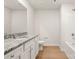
x=15, y=17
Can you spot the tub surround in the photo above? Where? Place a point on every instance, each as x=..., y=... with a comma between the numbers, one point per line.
x=68, y=49
x=72, y=45
x=11, y=44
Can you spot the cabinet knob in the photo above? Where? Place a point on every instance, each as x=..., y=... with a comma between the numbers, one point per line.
x=12, y=56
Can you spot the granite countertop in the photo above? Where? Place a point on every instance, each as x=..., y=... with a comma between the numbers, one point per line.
x=11, y=44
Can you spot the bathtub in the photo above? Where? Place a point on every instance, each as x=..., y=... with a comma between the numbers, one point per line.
x=68, y=48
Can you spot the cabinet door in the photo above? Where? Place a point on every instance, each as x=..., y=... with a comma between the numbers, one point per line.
x=18, y=52
x=36, y=45
x=15, y=54
x=33, y=50
x=26, y=54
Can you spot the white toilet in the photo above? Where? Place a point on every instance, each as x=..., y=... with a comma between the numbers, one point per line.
x=41, y=44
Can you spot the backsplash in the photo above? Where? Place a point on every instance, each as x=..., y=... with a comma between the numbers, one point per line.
x=7, y=36
x=15, y=35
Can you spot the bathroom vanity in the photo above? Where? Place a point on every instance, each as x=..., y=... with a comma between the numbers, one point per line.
x=23, y=48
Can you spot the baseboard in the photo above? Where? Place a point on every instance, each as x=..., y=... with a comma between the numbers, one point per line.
x=37, y=55
x=50, y=44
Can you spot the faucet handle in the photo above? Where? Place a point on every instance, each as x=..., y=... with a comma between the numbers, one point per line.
x=13, y=36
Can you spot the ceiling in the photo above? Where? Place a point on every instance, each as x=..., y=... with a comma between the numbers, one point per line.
x=37, y=4
x=13, y=4
x=48, y=4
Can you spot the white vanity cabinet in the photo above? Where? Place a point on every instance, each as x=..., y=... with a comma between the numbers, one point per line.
x=15, y=54
x=28, y=50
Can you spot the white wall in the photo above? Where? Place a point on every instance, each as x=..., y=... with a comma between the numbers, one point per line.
x=16, y=24
x=67, y=22
x=30, y=17
x=7, y=20
x=19, y=21
x=67, y=28
x=37, y=23
x=49, y=21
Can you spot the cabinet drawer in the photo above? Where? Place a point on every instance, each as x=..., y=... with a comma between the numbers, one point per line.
x=15, y=54
x=26, y=54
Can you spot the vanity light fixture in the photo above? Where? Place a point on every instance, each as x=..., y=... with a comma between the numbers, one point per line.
x=53, y=1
